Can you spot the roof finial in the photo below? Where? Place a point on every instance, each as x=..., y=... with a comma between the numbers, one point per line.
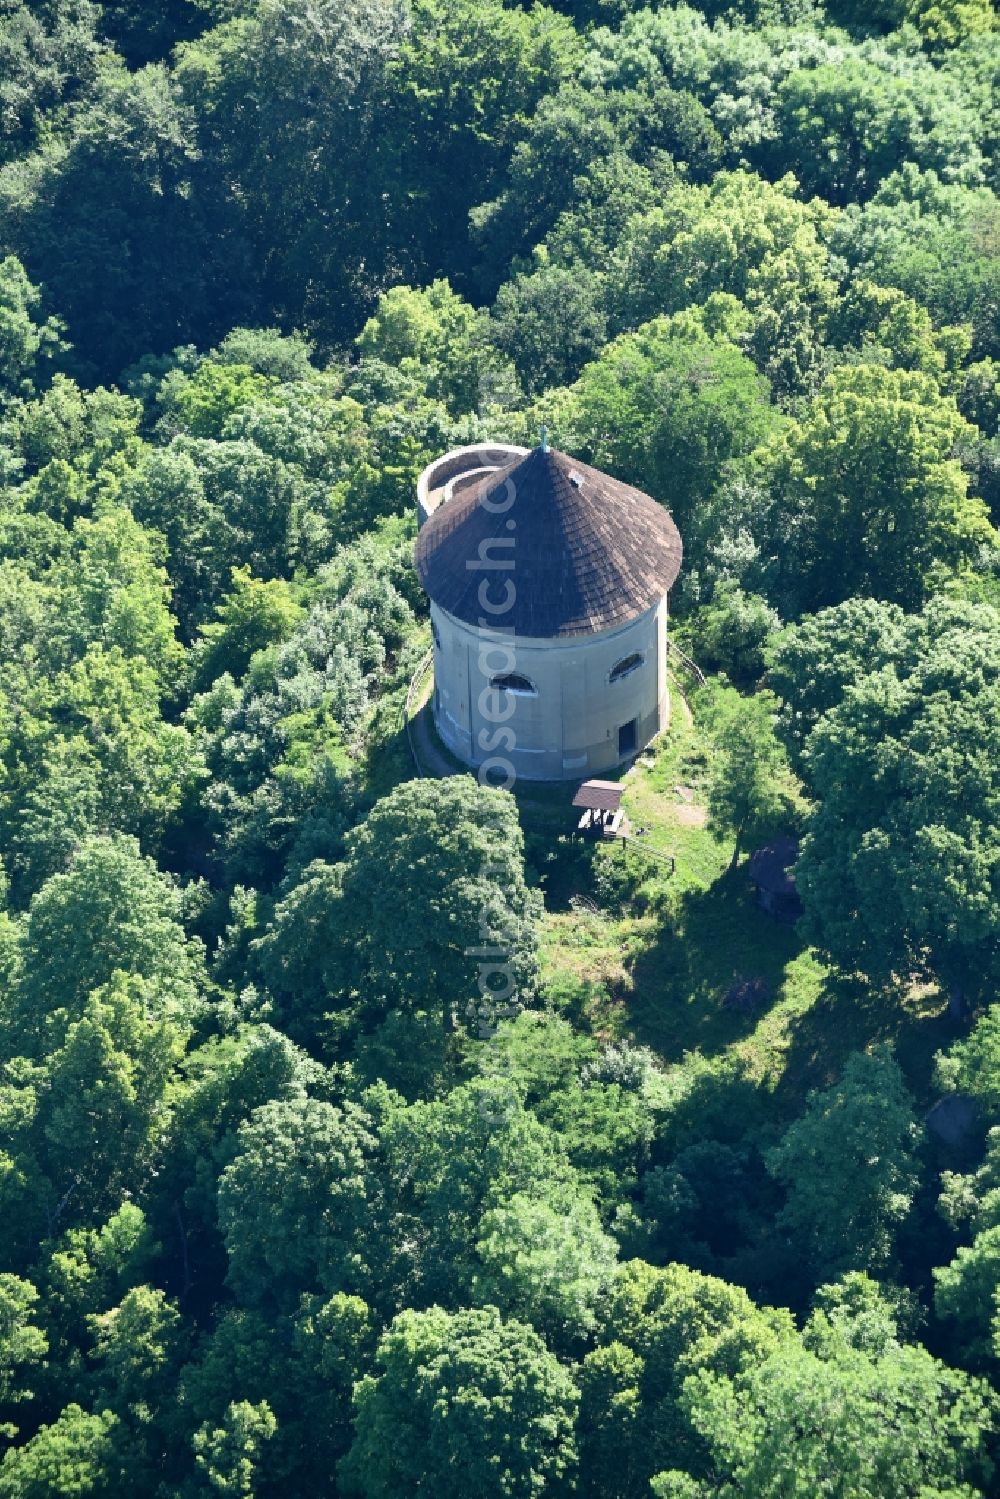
x=544, y=438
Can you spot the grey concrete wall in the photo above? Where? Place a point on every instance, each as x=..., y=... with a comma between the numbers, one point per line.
x=567, y=729
x=473, y=461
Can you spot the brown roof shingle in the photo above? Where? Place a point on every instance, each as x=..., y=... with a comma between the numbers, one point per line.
x=586, y=551
x=600, y=796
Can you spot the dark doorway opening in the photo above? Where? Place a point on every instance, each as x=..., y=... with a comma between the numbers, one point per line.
x=627, y=737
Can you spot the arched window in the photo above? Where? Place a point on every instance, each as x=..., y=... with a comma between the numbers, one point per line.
x=512, y=681
x=625, y=667
x=437, y=637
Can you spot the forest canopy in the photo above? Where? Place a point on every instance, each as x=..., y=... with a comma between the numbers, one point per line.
x=700, y=1204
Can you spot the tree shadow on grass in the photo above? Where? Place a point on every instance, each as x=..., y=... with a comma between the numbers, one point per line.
x=718, y=935
x=714, y=939
x=562, y=865
x=850, y=1014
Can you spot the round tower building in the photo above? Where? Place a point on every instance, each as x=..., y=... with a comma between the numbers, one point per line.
x=548, y=583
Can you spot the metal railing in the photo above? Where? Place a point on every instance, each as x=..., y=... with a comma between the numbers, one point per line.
x=689, y=666
x=654, y=853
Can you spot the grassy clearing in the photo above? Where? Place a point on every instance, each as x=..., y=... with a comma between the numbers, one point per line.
x=667, y=947
x=658, y=966
x=666, y=797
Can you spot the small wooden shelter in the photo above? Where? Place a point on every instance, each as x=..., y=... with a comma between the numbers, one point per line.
x=602, y=807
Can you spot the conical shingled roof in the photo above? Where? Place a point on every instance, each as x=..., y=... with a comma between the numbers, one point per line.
x=588, y=552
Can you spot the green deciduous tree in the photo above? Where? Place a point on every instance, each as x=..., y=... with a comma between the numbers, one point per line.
x=48, y=56
x=846, y=1424
x=594, y=1099
x=248, y=79
x=731, y=634
x=849, y=1167
x=547, y=1262
x=462, y=1403
x=898, y=871
x=87, y=1272
x=549, y=324
x=431, y=899
x=103, y=1106
x=227, y=1456
x=92, y=755
x=112, y=201
x=89, y=430
x=114, y=590
x=843, y=131
x=223, y=1082
x=432, y=333
x=78, y=1454
x=868, y=500
x=745, y=792
x=468, y=84
x=293, y=1204
x=972, y=1065
x=454, y=1163
x=888, y=326
x=668, y=409
x=253, y=616
x=965, y=1297
x=304, y=1367
x=201, y=403
x=90, y=1118
x=138, y=1348
x=811, y=665
x=749, y=239
x=26, y=340
x=658, y=1329
x=110, y=911
x=936, y=241
x=23, y=1344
